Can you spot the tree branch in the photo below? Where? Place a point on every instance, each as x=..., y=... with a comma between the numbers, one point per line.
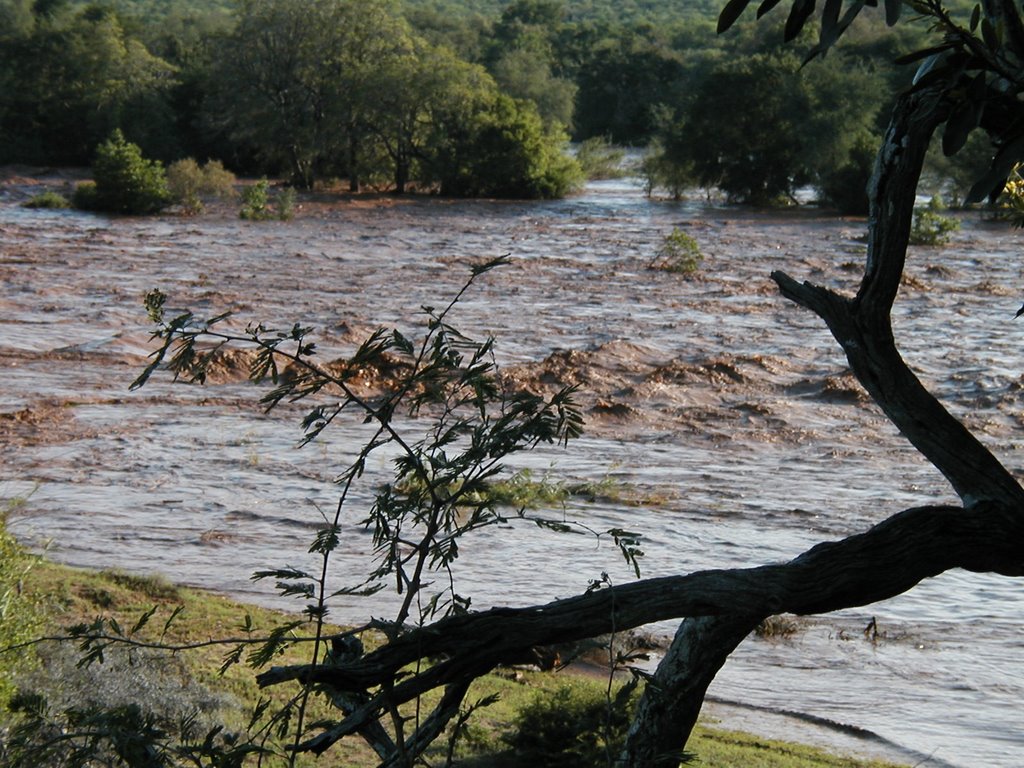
x=882, y=562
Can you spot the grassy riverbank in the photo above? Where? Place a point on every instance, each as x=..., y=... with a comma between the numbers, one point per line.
x=192, y=679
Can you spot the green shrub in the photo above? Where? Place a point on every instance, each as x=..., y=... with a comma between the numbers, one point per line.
x=48, y=200
x=574, y=727
x=286, y=204
x=84, y=196
x=505, y=150
x=189, y=183
x=930, y=227
x=256, y=203
x=125, y=182
x=185, y=181
x=138, y=708
x=678, y=253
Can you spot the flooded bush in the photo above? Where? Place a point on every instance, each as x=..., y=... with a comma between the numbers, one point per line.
x=189, y=182
x=778, y=628
x=84, y=197
x=930, y=227
x=600, y=160
x=256, y=205
x=678, y=253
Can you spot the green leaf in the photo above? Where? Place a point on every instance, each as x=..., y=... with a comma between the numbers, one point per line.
x=730, y=13
x=232, y=657
x=798, y=15
x=766, y=6
x=326, y=540
x=552, y=525
x=966, y=116
x=990, y=34
x=825, y=43
x=170, y=619
x=143, y=620
x=154, y=303
x=281, y=573
x=402, y=343
x=830, y=30
x=910, y=58
x=479, y=269
x=975, y=18
x=892, y=11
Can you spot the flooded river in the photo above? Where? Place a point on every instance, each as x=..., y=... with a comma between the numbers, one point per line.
x=722, y=414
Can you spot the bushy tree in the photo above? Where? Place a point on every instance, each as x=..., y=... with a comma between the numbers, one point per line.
x=419, y=93
x=125, y=181
x=504, y=150
x=725, y=129
x=624, y=84
x=524, y=62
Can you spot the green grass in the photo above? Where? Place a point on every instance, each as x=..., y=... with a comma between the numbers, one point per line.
x=73, y=595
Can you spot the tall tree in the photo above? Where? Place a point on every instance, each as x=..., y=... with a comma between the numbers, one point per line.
x=70, y=77
x=523, y=62
x=291, y=80
x=413, y=92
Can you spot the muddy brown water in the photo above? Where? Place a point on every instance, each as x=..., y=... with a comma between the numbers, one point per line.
x=724, y=416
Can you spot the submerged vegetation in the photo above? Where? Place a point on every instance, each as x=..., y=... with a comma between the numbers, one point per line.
x=679, y=253
x=930, y=226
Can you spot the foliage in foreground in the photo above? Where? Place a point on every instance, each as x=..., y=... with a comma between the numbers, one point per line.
x=186, y=694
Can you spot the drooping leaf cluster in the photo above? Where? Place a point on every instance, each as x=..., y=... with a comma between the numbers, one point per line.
x=973, y=65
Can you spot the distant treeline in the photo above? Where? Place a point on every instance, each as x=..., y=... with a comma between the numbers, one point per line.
x=462, y=96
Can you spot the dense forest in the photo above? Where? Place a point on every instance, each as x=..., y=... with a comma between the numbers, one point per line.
x=465, y=97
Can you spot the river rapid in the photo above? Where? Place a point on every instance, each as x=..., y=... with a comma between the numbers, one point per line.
x=721, y=420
